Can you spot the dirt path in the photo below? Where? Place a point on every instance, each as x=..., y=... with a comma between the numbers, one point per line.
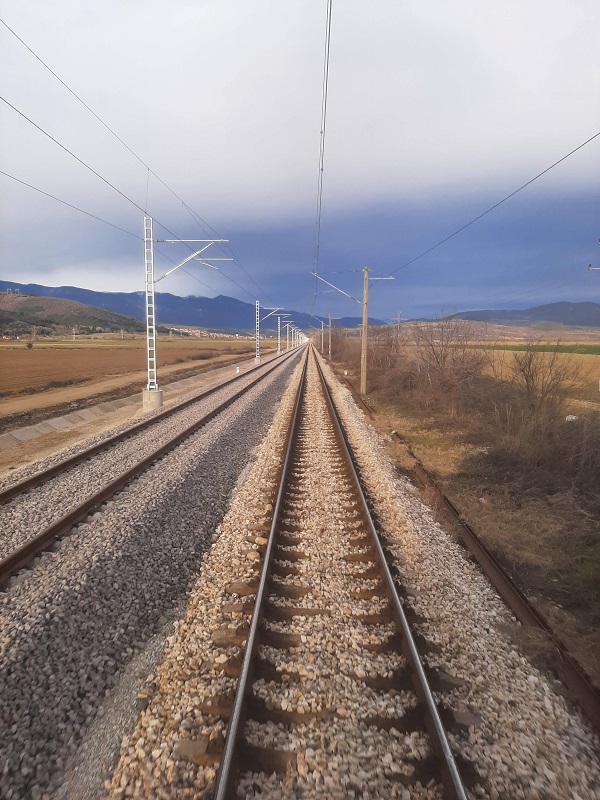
x=21, y=404
x=27, y=452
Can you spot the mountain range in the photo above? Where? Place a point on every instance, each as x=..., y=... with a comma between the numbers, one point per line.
x=585, y=315
x=227, y=313
x=220, y=312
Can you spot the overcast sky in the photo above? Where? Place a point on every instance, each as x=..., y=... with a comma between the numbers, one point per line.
x=436, y=111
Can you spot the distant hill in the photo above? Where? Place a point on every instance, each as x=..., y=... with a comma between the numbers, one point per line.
x=19, y=312
x=586, y=315
x=220, y=312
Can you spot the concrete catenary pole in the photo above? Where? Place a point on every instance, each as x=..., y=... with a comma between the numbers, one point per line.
x=364, y=333
x=330, y=337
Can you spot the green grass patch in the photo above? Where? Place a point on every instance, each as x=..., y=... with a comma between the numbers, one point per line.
x=580, y=349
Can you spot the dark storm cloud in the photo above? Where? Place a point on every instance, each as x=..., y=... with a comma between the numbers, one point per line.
x=436, y=110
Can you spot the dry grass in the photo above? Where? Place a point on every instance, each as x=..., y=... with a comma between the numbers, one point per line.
x=549, y=543
x=588, y=366
x=533, y=499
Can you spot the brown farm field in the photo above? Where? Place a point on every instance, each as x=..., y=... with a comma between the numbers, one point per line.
x=587, y=364
x=64, y=363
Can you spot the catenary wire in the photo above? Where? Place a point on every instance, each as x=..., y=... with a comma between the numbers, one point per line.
x=190, y=274
x=491, y=208
x=324, y=94
x=198, y=219
x=70, y=152
x=226, y=247
x=70, y=205
x=87, y=213
x=112, y=186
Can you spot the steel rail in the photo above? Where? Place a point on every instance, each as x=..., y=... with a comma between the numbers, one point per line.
x=46, y=475
x=24, y=554
x=451, y=778
x=224, y=787
x=227, y=768
x=566, y=666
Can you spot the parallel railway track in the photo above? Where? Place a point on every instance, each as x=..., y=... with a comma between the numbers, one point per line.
x=331, y=671
x=18, y=495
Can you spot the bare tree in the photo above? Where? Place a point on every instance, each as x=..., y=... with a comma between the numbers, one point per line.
x=545, y=376
x=445, y=349
x=385, y=347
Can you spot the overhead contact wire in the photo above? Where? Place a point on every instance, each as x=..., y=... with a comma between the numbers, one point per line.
x=70, y=205
x=205, y=226
x=491, y=208
x=107, y=182
x=325, y=89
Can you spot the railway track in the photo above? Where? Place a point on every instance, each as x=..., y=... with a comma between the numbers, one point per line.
x=561, y=660
x=78, y=484
x=289, y=677
x=331, y=682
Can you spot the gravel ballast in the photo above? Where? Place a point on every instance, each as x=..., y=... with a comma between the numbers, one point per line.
x=26, y=515
x=531, y=742
x=526, y=740
x=70, y=627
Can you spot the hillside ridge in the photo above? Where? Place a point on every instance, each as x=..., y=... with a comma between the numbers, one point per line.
x=20, y=312
x=582, y=314
x=221, y=312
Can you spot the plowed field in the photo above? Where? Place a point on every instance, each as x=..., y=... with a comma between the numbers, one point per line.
x=46, y=366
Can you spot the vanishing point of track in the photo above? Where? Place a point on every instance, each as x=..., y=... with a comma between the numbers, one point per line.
x=346, y=622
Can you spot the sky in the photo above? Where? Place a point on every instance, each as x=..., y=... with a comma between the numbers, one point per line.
x=436, y=111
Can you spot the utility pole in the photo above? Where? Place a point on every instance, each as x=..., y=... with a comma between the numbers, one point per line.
x=279, y=318
x=322, y=336
x=330, y=337
x=287, y=327
x=365, y=319
x=272, y=311
x=154, y=401
x=364, y=333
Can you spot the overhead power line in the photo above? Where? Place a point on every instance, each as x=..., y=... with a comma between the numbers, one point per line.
x=112, y=186
x=106, y=222
x=228, y=248
x=71, y=153
x=203, y=224
x=491, y=208
x=70, y=205
x=322, y=146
